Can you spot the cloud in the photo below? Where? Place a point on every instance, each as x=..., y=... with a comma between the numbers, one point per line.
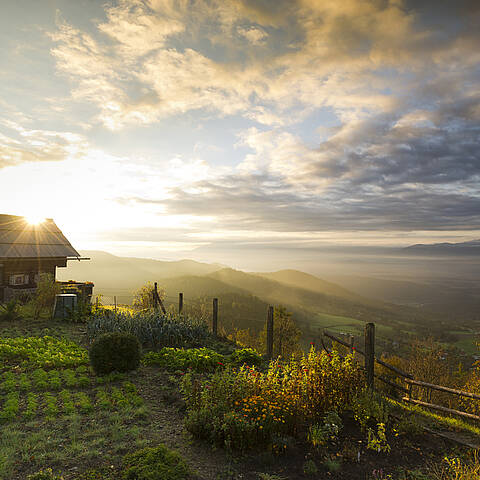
x=254, y=35
x=400, y=78
x=251, y=204
x=19, y=145
x=137, y=30
x=154, y=59
x=403, y=170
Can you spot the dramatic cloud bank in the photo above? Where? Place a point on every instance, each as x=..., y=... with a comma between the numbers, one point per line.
x=288, y=117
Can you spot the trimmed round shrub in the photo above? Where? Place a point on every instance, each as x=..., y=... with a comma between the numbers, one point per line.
x=155, y=463
x=115, y=352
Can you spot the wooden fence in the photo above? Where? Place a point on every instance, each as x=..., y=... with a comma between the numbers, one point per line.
x=158, y=304
x=410, y=382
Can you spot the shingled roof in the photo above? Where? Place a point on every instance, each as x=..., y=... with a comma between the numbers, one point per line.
x=20, y=239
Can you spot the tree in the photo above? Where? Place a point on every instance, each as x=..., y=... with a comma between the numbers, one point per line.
x=143, y=297
x=286, y=334
x=245, y=338
x=44, y=297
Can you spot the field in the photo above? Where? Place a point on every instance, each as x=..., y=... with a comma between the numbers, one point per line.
x=57, y=414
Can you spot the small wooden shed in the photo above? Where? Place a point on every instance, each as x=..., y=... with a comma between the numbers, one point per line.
x=26, y=251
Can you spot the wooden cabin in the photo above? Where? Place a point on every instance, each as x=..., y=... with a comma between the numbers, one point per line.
x=26, y=251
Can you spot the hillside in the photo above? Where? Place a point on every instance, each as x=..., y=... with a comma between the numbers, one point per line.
x=127, y=274
x=244, y=297
x=307, y=303
x=387, y=290
x=296, y=278
x=457, y=301
x=193, y=287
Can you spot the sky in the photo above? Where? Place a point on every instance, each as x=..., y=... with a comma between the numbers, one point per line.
x=213, y=128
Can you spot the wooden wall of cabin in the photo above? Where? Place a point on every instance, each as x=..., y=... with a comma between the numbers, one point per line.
x=28, y=268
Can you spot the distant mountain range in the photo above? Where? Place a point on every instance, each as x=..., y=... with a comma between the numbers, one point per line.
x=305, y=295
x=464, y=248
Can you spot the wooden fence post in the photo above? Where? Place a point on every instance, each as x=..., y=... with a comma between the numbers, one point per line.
x=157, y=300
x=180, y=303
x=215, y=316
x=270, y=333
x=409, y=390
x=370, y=353
x=155, y=297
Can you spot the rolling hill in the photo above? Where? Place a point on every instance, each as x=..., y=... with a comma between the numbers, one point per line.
x=296, y=278
x=126, y=274
x=307, y=303
x=244, y=297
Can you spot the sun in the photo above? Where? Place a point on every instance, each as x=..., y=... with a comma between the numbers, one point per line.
x=34, y=219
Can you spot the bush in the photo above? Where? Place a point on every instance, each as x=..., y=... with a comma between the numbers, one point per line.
x=115, y=352
x=245, y=356
x=157, y=463
x=10, y=311
x=143, y=297
x=197, y=359
x=242, y=408
x=44, y=297
x=152, y=329
x=457, y=469
x=320, y=434
x=200, y=360
x=370, y=409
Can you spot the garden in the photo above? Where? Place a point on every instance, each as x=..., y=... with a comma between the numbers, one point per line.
x=145, y=396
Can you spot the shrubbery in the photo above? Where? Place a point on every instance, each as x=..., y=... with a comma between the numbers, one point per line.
x=115, y=352
x=157, y=463
x=10, y=311
x=152, y=329
x=242, y=408
x=245, y=356
x=199, y=359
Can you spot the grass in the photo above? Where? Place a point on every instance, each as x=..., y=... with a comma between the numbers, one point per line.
x=432, y=419
x=67, y=429
x=69, y=441
x=336, y=323
x=467, y=342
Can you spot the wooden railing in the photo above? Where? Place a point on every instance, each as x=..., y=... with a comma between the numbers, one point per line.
x=410, y=382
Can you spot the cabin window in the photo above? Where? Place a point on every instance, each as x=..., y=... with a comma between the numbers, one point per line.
x=19, y=279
